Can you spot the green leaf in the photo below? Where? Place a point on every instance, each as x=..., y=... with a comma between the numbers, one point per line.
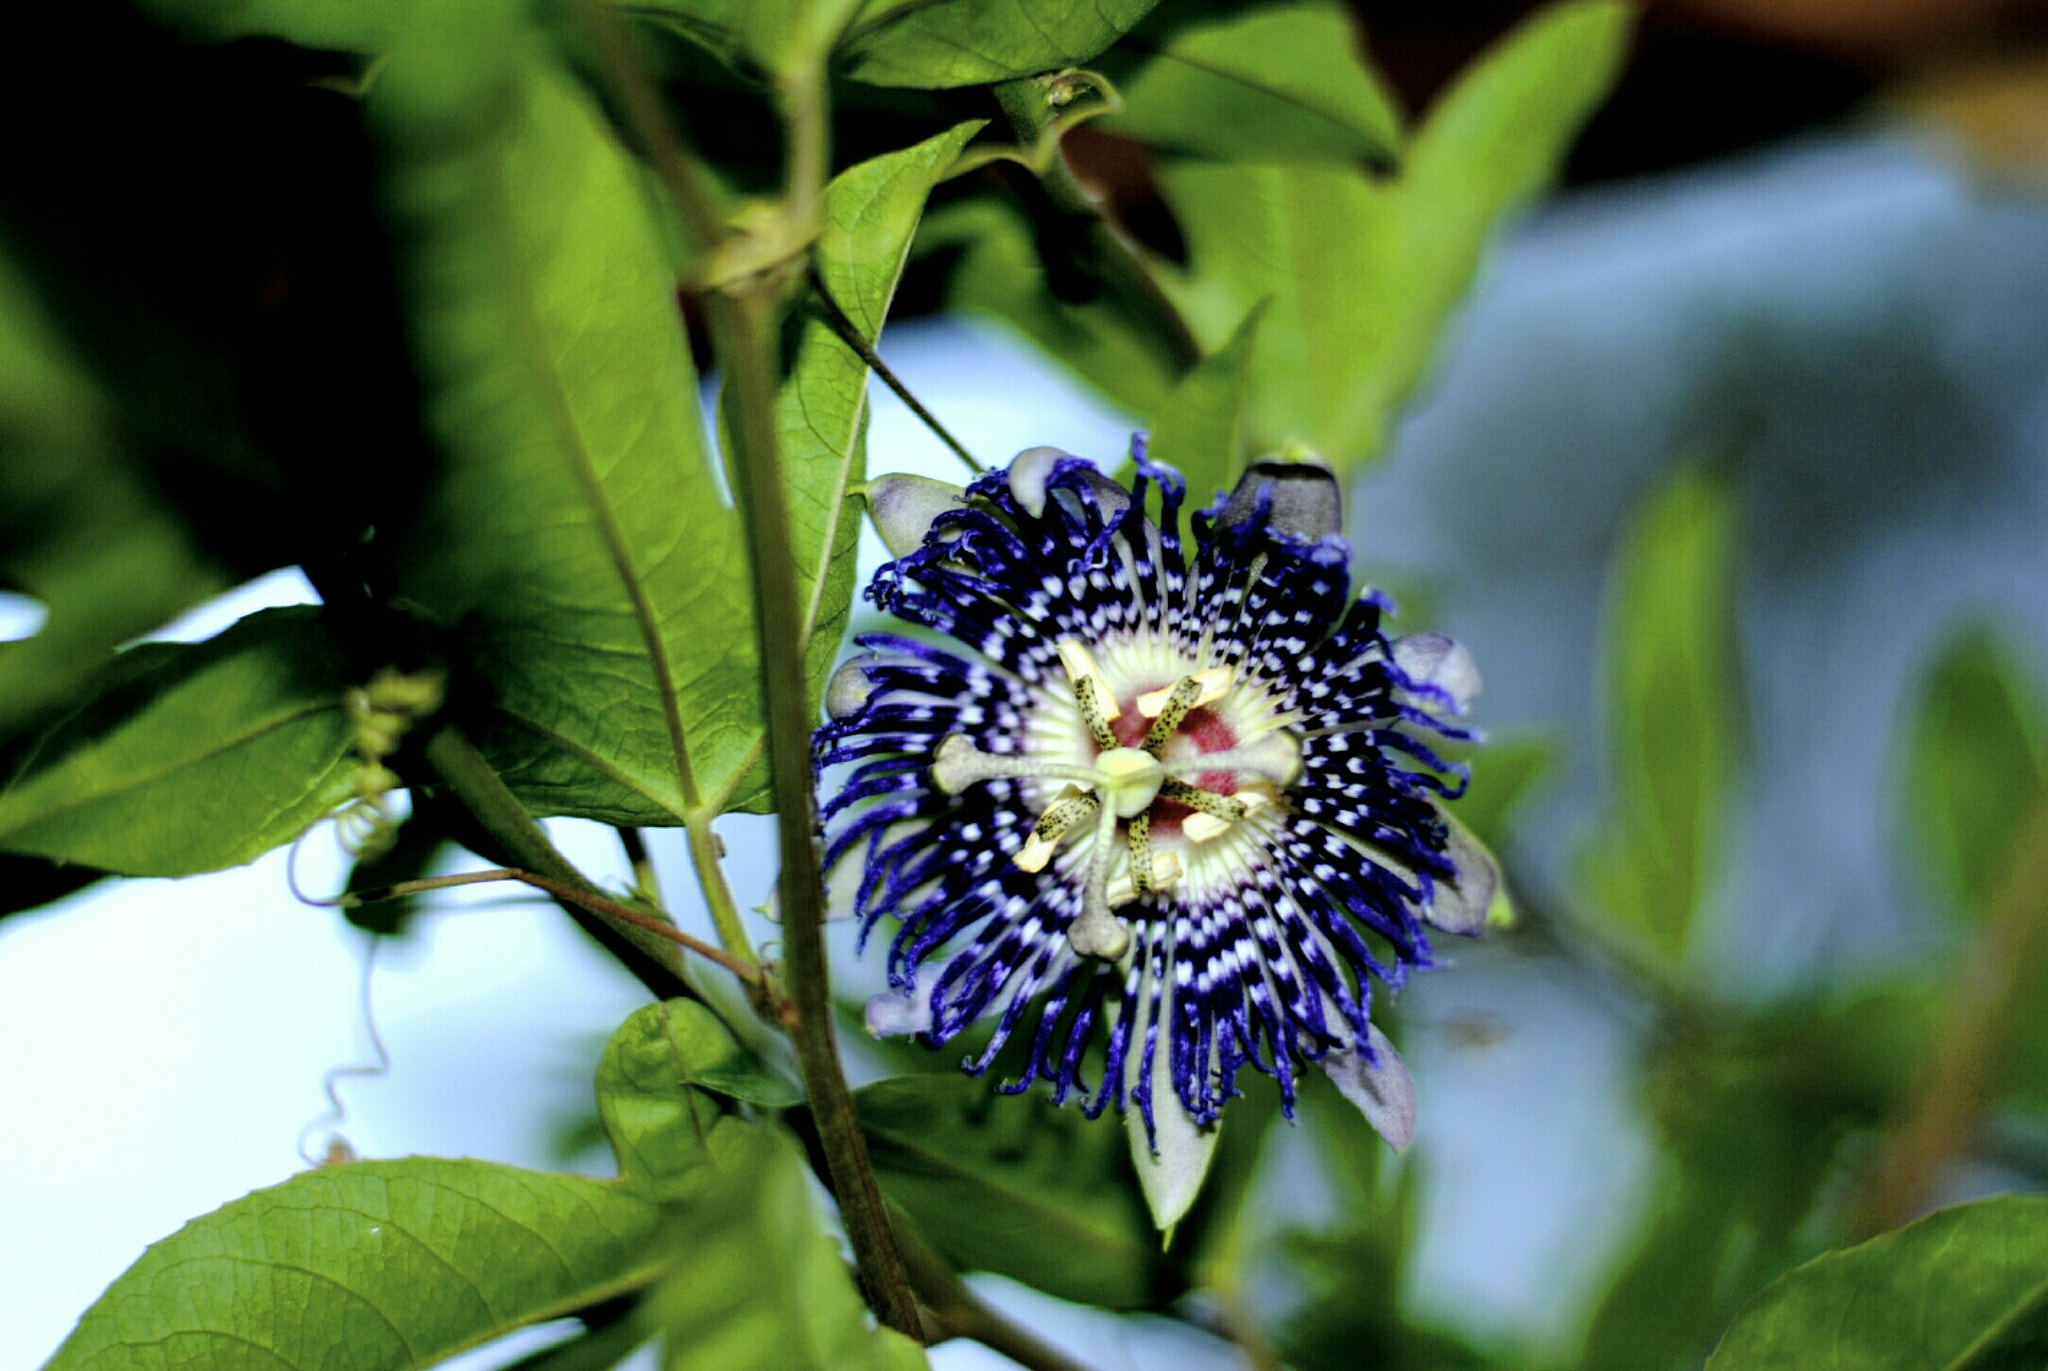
x=189, y=758
x=1672, y=715
x=360, y=26
x=1965, y=1289
x=1753, y=1119
x=1364, y=272
x=82, y=528
x=821, y=412
x=1198, y=431
x=577, y=533
x=1265, y=84
x=938, y=43
x=997, y=272
x=781, y=38
x=1979, y=766
x=764, y=1287
x=651, y=1083
x=1012, y=1184
x=372, y=1266
x=1505, y=772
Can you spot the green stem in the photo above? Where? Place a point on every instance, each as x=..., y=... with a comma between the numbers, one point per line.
x=1124, y=270
x=653, y=958
x=740, y=327
x=644, y=878
x=1972, y=1049
x=705, y=852
x=849, y=333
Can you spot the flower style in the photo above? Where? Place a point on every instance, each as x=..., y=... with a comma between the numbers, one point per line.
x=1175, y=806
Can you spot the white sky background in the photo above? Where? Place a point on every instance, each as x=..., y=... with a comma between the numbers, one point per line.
x=162, y=1044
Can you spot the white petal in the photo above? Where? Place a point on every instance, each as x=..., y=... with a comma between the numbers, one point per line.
x=1380, y=1087
x=1431, y=659
x=903, y=508
x=892, y=1014
x=1461, y=903
x=1028, y=475
x=1174, y=1161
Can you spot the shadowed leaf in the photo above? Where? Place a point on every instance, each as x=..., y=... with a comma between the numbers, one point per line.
x=189, y=758
x=1962, y=1290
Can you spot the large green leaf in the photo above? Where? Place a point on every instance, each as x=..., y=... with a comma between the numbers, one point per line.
x=372, y=1266
x=1014, y=1185
x=763, y=1288
x=937, y=43
x=1672, y=714
x=1979, y=768
x=189, y=758
x=1199, y=430
x=1365, y=272
x=81, y=527
x=1962, y=1290
x=579, y=535
x=1261, y=84
x=821, y=412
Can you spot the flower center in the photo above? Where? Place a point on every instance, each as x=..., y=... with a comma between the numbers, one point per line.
x=1157, y=764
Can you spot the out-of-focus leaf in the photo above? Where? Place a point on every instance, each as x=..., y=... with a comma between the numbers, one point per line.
x=1979, y=766
x=938, y=43
x=1753, y=1123
x=1198, y=430
x=578, y=535
x=870, y=214
x=1365, y=272
x=1965, y=1289
x=190, y=758
x=1351, y=1270
x=782, y=38
x=372, y=1266
x=998, y=273
x=764, y=1289
x=1210, y=1244
x=1672, y=715
x=1505, y=772
x=1258, y=84
x=359, y=26
x=1012, y=1184
x=80, y=527
x=651, y=1084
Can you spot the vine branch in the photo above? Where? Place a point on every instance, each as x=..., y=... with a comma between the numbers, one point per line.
x=742, y=316
x=850, y=334
x=561, y=890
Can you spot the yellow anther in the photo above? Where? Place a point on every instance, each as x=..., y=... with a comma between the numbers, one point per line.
x=1166, y=869
x=1200, y=828
x=1070, y=807
x=1080, y=666
x=1212, y=685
